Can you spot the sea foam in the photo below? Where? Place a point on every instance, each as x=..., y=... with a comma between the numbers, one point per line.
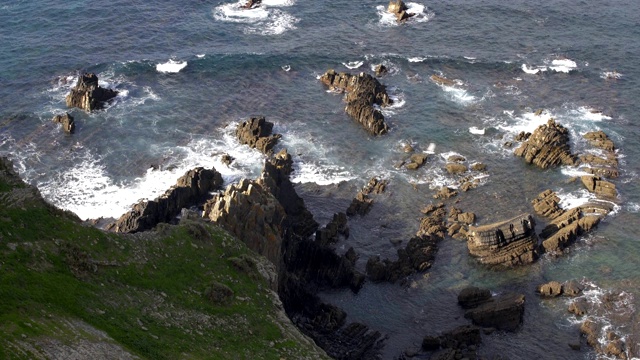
x=171, y=66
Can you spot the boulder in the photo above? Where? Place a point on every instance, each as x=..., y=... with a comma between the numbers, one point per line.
x=502, y=312
x=578, y=307
x=599, y=186
x=381, y=70
x=456, y=168
x=445, y=193
x=399, y=9
x=547, y=146
x=363, y=92
x=190, y=189
x=467, y=218
x=478, y=166
x=256, y=132
x=226, y=159
x=251, y=4
x=507, y=243
x=66, y=121
x=600, y=140
x=551, y=289
x=572, y=288
x=88, y=95
x=591, y=331
x=546, y=204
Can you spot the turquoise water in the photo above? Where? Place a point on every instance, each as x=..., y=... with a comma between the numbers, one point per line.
x=266, y=62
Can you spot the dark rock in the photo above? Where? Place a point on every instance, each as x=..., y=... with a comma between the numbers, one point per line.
x=191, y=188
x=616, y=348
x=523, y=136
x=66, y=121
x=251, y=4
x=551, y=289
x=547, y=146
x=503, y=312
x=361, y=204
x=431, y=343
x=88, y=95
x=456, y=159
x=591, y=331
x=417, y=256
x=398, y=8
x=337, y=226
x=226, y=159
x=256, y=132
x=507, y=243
x=471, y=297
x=363, y=91
x=572, y=288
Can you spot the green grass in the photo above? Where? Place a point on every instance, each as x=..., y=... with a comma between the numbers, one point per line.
x=147, y=292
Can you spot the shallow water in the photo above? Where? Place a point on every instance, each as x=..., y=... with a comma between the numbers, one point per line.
x=188, y=73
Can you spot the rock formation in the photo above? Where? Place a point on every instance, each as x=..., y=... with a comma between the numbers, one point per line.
x=459, y=343
x=363, y=91
x=361, y=204
x=88, y=95
x=502, y=312
x=192, y=187
x=599, y=186
x=547, y=146
x=507, y=243
x=66, y=121
x=381, y=70
x=251, y=4
x=399, y=9
x=570, y=288
x=337, y=226
x=256, y=132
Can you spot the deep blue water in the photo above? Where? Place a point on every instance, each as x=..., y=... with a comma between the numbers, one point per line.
x=235, y=66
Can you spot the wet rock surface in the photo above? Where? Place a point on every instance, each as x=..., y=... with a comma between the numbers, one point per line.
x=88, y=95
x=363, y=91
x=66, y=121
x=256, y=132
x=547, y=146
x=502, y=311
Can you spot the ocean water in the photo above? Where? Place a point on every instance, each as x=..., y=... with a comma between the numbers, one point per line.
x=188, y=73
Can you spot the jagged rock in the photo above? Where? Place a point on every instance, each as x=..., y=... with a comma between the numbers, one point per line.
x=616, y=348
x=445, y=193
x=503, y=312
x=547, y=146
x=363, y=91
x=551, y=289
x=192, y=187
x=458, y=343
x=416, y=161
x=600, y=140
x=337, y=226
x=455, y=168
x=578, y=307
x=381, y=70
x=606, y=172
x=417, y=256
x=431, y=208
x=250, y=4
x=546, y=204
x=523, y=136
x=600, y=187
x=565, y=229
x=226, y=159
x=456, y=159
x=88, y=95
x=399, y=9
x=66, y=121
x=361, y=204
x=471, y=297
x=433, y=224
x=468, y=185
x=507, y=243
x=256, y=132
x=591, y=331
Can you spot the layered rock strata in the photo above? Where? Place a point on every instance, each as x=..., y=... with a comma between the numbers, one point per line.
x=459, y=343
x=256, y=132
x=193, y=187
x=363, y=92
x=502, y=312
x=88, y=95
x=547, y=146
x=507, y=243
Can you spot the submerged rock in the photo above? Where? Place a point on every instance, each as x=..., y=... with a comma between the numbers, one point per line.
x=502, y=312
x=547, y=146
x=361, y=204
x=66, y=121
x=363, y=91
x=507, y=243
x=88, y=95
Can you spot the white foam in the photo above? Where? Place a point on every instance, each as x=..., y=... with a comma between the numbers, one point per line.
x=417, y=59
x=353, y=64
x=632, y=207
x=563, y=65
x=610, y=75
x=200, y=56
x=321, y=174
x=476, y=131
x=533, y=70
x=421, y=14
x=171, y=66
x=286, y=67
x=458, y=95
x=265, y=19
x=527, y=122
x=589, y=114
x=574, y=199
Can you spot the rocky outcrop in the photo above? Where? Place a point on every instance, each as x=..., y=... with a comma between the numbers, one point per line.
x=381, y=70
x=191, y=188
x=546, y=204
x=361, y=204
x=600, y=140
x=502, y=312
x=256, y=132
x=337, y=226
x=599, y=186
x=66, y=121
x=251, y=4
x=459, y=343
x=507, y=243
x=252, y=214
x=416, y=161
x=399, y=9
x=445, y=192
x=363, y=91
x=88, y=95
x=547, y=146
